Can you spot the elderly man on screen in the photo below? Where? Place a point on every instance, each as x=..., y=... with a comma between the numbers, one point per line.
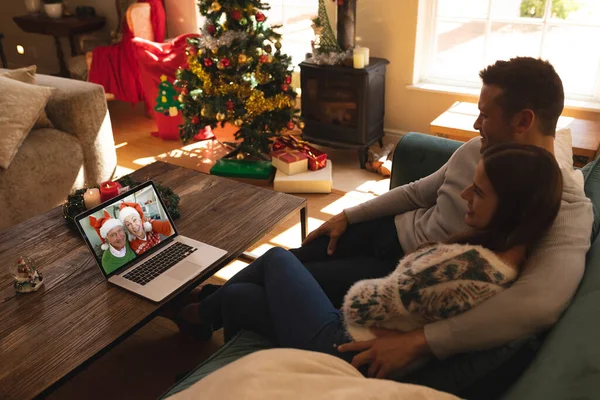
x=142, y=235
x=117, y=251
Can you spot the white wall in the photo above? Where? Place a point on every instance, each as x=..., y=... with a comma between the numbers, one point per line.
x=182, y=17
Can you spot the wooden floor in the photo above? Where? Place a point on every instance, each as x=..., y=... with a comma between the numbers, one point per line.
x=150, y=361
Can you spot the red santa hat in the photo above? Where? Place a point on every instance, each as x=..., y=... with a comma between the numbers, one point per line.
x=104, y=225
x=129, y=209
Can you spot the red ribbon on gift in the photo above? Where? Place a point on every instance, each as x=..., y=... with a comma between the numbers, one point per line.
x=289, y=155
x=316, y=158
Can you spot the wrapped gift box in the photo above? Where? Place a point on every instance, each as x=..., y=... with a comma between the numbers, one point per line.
x=249, y=171
x=306, y=182
x=316, y=158
x=290, y=161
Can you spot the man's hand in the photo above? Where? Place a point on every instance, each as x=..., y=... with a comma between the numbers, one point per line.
x=334, y=228
x=389, y=352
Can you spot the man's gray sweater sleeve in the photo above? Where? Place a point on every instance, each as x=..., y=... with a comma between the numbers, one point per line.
x=536, y=300
x=419, y=194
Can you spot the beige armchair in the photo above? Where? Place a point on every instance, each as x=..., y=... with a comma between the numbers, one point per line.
x=52, y=162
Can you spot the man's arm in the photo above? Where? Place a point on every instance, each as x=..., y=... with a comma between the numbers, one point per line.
x=418, y=194
x=534, y=302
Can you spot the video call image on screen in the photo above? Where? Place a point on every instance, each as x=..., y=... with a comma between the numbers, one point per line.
x=127, y=228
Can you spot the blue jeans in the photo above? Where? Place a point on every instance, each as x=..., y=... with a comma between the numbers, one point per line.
x=278, y=298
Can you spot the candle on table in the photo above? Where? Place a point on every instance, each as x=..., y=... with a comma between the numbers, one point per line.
x=91, y=198
x=108, y=190
x=359, y=59
x=365, y=51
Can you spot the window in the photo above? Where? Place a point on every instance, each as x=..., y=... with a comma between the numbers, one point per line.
x=461, y=37
x=295, y=18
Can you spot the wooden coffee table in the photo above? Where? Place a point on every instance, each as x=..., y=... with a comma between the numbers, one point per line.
x=47, y=336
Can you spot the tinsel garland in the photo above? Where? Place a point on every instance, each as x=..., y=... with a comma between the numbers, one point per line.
x=222, y=88
x=74, y=205
x=255, y=101
x=257, y=104
x=210, y=42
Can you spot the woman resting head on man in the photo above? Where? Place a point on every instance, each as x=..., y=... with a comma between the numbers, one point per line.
x=513, y=200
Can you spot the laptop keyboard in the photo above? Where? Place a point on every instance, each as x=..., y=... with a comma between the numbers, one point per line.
x=158, y=264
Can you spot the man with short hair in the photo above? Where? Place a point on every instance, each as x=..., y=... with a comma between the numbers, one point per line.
x=117, y=251
x=520, y=101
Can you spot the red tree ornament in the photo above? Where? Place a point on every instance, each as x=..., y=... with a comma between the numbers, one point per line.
x=290, y=125
x=229, y=104
x=208, y=62
x=236, y=15
x=285, y=87
x=212, y=29
x=196, y=120
x=260, y=17
x=226, y=62
x=263, y=58
x=287, y=79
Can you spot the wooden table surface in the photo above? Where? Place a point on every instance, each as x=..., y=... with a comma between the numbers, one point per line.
x=64, y=26
x=77, y=315
x=457, y=123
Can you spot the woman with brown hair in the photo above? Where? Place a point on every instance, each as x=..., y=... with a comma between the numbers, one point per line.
x=514, y=199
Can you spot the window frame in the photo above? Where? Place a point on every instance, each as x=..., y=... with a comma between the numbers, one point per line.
x=426, y=43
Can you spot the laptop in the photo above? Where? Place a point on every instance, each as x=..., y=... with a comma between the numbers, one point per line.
x=137, y=247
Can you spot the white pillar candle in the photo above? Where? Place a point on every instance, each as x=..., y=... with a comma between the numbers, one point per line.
x=365, y=51
x=359, y=59
x=91, y=198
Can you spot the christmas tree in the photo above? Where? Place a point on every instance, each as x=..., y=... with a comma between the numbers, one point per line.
x=166, y=101
x=237, y=73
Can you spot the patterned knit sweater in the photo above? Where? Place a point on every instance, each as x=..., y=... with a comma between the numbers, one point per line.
x=430, y=284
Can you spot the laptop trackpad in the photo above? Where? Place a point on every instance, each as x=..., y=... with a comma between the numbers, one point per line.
x=183, y=271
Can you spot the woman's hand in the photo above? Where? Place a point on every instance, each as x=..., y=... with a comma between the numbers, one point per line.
x=389, y=352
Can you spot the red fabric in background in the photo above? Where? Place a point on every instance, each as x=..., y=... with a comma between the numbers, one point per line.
x=115, y=66
x=155, y=60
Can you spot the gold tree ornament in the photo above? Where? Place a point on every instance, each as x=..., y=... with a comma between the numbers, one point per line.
x=215, y=50
x=238, y=122
x=215, y=6
x=204, y=112
x=220, y=116
x=301, y=124
x=242, y=58
x=278, y=45
x=240, y=156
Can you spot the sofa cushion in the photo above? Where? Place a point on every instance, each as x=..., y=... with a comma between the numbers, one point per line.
x=242, y=344
x=48, y=166
x=27, y=75
x=21, y=105
x=591, y=173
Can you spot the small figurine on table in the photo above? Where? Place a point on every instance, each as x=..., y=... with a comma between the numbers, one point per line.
x=27, y=278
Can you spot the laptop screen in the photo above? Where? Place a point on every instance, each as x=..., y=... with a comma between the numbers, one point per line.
x=122, y=230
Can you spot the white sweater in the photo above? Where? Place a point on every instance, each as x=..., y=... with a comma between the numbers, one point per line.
x=428, y=285
x=431, y=210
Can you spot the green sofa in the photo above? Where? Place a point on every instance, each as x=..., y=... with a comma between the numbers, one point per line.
x=566, y=366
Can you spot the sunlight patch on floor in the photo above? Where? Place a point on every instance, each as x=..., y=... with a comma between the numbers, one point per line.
x=230, y=270
x=122, y=171
x=290, y=238
x=376, y=187
x=350, y=199
x=144, y=161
